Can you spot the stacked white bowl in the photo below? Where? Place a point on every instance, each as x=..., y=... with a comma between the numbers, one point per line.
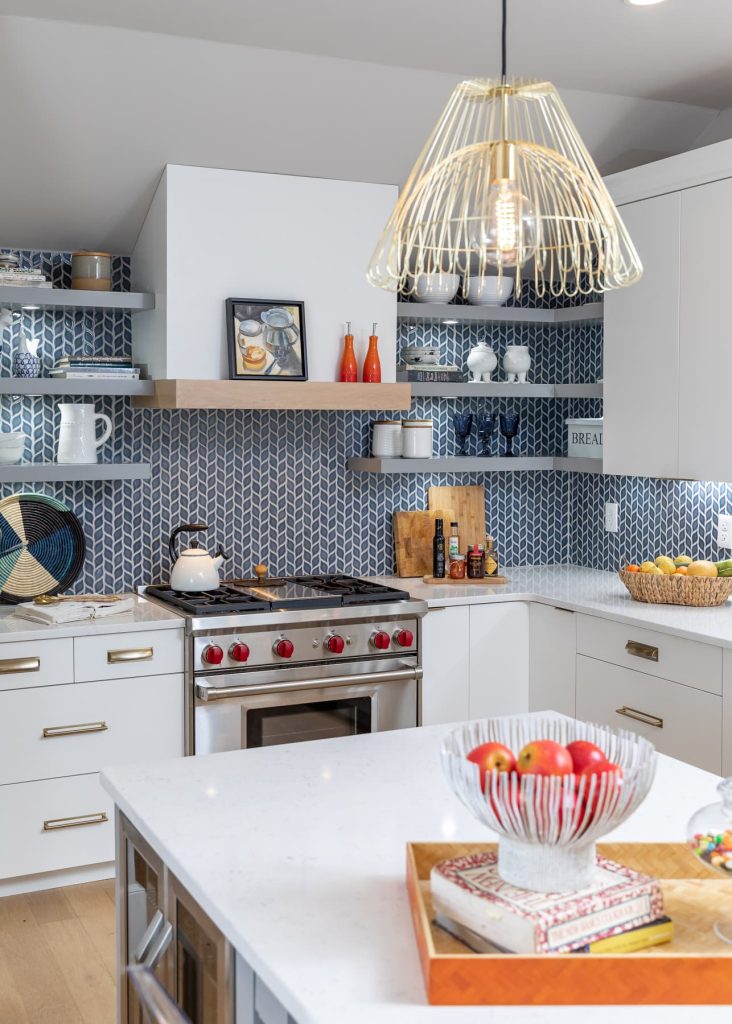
x=12, y=446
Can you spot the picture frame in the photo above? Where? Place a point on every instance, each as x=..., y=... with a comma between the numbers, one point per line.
x=266, y=339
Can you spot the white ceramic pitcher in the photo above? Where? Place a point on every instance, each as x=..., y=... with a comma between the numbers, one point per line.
x=77, y=436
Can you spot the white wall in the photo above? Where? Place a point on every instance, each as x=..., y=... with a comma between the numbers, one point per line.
x=718, y=130
x=92, y=115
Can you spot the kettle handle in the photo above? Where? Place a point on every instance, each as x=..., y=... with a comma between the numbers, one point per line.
x=174, y=536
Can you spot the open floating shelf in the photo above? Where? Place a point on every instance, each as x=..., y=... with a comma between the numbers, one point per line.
x=499, y=314
x=12, y=295
x=36, y=386
x=49, y=472
x=474, y=464
x=242, y=394
x=501, y=389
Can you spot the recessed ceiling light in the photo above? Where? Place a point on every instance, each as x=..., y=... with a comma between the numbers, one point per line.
x=642, y=3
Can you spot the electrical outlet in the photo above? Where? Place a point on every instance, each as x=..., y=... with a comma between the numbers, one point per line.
x=611, y=516
x=724, y=531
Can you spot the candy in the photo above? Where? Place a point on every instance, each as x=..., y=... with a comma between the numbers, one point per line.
x=714, y=849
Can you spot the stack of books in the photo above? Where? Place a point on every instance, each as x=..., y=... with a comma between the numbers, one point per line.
x=96, y=368
x=23, y=278
x=622, y=912
x=425, y=372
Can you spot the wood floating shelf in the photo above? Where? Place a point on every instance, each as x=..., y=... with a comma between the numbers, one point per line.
x=499, y=314
x=502, y=389
x=240, y=394
x=70, y=298
x=474, y=464
x=36, y=387
x=48, y=472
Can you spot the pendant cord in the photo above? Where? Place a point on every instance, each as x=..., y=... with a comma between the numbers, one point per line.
x=503, y=40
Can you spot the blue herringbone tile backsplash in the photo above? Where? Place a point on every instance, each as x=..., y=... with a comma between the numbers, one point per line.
x=274, y=486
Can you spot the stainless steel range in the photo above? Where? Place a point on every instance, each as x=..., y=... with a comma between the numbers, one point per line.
x=295, y=658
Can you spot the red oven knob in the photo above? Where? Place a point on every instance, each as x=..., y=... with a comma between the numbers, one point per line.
x=380, y=640
x=335, y=644
x=284, y=648
x=212, y=654
x=239, y=652
x=404, y=637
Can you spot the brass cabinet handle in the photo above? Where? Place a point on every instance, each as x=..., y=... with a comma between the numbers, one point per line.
x=53, y=824
x=8, y=665
x=73, y=730
x=129, y=654
x=640, y=716
x=639, y=650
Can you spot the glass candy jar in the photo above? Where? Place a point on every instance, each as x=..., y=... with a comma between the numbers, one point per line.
x=710, y=837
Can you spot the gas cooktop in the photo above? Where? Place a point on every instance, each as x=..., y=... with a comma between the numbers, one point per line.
x=280, y=593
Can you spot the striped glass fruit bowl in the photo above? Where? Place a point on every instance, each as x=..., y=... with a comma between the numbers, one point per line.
x=548, y=824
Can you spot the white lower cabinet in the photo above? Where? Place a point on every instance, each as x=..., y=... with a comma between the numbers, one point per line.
x=499, y=659
x=552, y=659
x=446, y=664
x=680, y=721
x=727, y=715
x=55, y=824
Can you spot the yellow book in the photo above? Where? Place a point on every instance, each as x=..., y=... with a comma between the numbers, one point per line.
x=653, y=934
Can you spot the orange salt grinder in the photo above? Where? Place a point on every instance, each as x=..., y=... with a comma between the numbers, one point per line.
x=349, y=366
x=372, y=364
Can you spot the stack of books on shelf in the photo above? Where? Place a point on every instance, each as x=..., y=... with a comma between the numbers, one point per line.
x=429, y=373
x=622, y=912
x=22, y=278
x=95, y=368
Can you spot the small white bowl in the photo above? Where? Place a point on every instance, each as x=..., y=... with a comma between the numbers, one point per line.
x=435, y=287
x=12, y=446
x=485, y=291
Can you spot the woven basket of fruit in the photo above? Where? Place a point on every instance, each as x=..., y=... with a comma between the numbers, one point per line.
x=681, y=580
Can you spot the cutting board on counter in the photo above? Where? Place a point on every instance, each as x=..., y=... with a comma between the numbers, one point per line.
x=468, y=507
x=413, y=533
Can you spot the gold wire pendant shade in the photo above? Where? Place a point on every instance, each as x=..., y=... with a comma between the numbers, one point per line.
x=505, y=185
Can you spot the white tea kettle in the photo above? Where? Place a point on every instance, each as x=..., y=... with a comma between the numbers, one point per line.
x=194, y=569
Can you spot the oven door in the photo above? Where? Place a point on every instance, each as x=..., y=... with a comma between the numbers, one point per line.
x=242, y=711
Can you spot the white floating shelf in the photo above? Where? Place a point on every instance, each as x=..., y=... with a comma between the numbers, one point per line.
x=501, y=389
x=578, y=465
x=499, y=314
x=37, y=386
x=474, y=464
x=578, y=390
x=70, y=298
x=48, y=472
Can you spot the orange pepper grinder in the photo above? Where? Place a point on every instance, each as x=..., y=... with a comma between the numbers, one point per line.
x=349, y=366
x=372, y=363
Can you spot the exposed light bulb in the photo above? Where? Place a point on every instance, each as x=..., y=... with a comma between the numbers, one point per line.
x=505, y=235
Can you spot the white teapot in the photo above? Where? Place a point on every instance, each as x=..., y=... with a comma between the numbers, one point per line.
x=194, y=569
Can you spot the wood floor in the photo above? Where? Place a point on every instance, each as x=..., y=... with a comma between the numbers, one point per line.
x=57, y=962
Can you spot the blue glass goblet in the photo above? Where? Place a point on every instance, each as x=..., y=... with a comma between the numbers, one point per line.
x=509, y=428
x=463, y=424
x=486, y=426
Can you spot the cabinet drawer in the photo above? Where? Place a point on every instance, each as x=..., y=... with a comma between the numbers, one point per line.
x=124, y=655
x=657, y=654
x=36, y=663
x=79, y=825
x=679, y=721
x=88, y=726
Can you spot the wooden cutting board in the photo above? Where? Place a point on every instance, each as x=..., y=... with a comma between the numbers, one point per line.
x=468, y=506
x=413, y=533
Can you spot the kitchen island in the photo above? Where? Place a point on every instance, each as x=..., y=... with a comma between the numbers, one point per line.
x=296, y=853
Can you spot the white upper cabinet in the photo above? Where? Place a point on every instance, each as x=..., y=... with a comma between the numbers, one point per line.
x=641, y=362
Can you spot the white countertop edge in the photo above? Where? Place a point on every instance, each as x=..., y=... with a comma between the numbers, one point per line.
x=144, y=615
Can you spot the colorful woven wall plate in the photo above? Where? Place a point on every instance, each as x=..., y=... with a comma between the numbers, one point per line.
x=42, y=547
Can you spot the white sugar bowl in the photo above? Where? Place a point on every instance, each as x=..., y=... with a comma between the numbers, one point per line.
x=481, y=362
x=517, y=363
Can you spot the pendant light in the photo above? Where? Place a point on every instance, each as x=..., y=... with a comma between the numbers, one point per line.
x=505, y=185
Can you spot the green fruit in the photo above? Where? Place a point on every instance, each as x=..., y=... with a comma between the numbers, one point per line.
x=683, y=560
x=724, y=565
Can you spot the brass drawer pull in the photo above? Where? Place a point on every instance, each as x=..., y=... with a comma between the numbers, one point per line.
x=640, y=716
x=130, y=654
x=8, y=665
x=73, y=730
x=639, y=650
x=53, y=824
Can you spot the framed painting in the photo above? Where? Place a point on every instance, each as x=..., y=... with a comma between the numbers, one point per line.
x=266, y=339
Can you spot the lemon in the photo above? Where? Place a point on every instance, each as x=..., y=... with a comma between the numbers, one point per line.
x=683, y=560
x=666, y=565
x=649, y=567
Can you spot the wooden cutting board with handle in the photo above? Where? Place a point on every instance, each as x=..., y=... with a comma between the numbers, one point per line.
x=468, y=506
x=413, y=533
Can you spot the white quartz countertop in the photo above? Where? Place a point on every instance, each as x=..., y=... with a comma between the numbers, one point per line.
x=297, y=853
x=143, y=615
x=591, y=591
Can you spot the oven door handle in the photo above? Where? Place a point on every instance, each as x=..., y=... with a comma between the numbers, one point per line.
x=208, y=693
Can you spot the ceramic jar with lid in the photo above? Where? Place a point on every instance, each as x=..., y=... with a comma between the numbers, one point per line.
x=517, y=363
x=481, y=362
x=386, y=439
x=91, y=271
x=417, y=439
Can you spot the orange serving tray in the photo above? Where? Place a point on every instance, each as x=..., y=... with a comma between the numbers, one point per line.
x=695, y=968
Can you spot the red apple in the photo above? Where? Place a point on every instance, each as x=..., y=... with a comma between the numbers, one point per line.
x=544, y=757
x=614, y=782
x=492, y=757
x=584, y=754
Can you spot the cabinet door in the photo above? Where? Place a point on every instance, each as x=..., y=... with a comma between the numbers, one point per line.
x=641, y=361
x=499, y=659
x=552, y=655
x=727, y=715
x=705, y=348
x=445, y=661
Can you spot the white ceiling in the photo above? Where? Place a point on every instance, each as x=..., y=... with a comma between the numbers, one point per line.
x=678, y=50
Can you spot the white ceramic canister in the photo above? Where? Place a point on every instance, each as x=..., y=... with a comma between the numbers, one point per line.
x=91, y=271
x=386, y=439
x=417, y=439
x=517, y=363
x=481, y=362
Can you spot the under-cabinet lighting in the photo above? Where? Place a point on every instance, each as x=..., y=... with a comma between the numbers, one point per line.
x=642, y=3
